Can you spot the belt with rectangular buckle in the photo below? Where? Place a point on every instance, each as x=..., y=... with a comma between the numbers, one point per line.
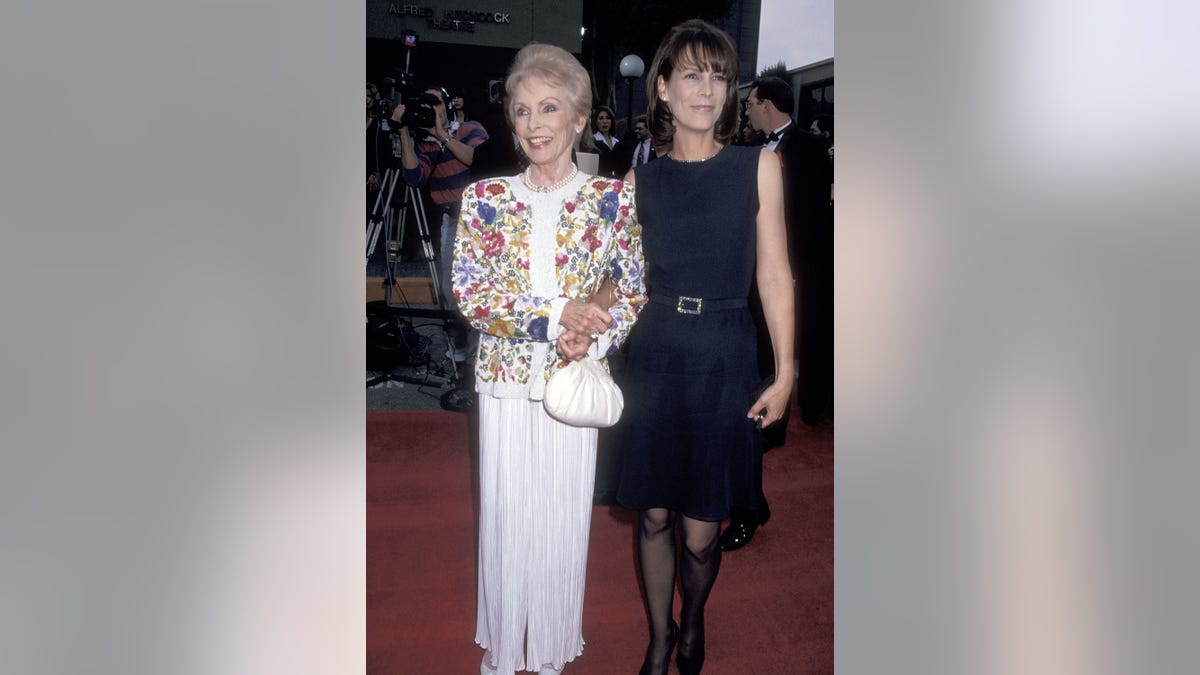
x=686, y=304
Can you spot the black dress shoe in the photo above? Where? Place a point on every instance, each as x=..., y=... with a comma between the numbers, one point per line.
x=690, y=664
x=738, y=534
x=690, y=661
x=671, y=638
x=741, y=528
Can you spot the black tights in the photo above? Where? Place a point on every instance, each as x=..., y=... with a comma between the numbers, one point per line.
x=698, y=565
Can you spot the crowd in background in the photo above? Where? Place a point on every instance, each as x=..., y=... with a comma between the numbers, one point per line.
x=612, y=138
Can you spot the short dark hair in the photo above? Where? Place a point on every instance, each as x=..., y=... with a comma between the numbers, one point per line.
x=778, y=92
x=693, y=43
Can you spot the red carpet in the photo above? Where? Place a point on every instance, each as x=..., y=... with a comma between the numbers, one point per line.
x=771, y=610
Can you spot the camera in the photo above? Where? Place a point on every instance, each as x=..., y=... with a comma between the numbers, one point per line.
x=418, y=110
x=418, y=105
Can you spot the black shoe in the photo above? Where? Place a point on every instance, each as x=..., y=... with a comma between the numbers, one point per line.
x=674, y=635
x=738, y=534
x=690, y=664
x=741, y=528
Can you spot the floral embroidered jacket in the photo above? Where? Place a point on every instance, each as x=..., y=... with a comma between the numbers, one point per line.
x=598, y=237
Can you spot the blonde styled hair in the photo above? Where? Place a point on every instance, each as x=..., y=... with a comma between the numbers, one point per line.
x=557, y=68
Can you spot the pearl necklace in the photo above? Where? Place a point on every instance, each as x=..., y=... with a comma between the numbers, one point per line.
x=548, y=188
x=693, y=161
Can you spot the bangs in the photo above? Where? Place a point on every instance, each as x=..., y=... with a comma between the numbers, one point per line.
x=706, y=53
x=693, y=44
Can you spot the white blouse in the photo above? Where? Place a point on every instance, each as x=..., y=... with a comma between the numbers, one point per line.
x=544, y=211
x=600, y=138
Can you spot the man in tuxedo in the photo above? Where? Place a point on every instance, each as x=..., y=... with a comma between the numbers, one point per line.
x=807, y=175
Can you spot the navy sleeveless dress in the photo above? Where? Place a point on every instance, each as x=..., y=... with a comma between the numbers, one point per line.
x=691, y=365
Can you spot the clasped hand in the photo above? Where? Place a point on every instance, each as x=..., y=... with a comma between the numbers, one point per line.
x=582, y=321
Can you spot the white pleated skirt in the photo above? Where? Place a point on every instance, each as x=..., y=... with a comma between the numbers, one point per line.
x=536, y=481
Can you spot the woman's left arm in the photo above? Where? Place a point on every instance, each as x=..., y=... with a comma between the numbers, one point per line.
x=775, y=287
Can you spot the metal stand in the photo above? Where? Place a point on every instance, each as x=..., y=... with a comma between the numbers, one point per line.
x=417, y=365
x=383, y=220
x=381, y=211
x=456, y=398
x=392, y=223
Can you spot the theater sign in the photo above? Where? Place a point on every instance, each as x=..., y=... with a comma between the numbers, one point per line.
x=480, y=22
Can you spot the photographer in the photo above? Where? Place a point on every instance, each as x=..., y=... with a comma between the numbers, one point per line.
x=441, y=159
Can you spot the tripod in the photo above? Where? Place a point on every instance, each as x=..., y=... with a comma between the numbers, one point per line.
x=384, y=221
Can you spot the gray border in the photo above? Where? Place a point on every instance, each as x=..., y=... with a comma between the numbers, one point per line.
x=1016, y=370
x=182, y=488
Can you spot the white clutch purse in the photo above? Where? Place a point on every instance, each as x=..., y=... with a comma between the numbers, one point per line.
x=583, y=394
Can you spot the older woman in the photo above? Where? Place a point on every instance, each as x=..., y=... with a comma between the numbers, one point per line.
x=713, y=222
x=530, y=251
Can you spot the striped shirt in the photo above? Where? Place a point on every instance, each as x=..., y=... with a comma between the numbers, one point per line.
x=445, y=174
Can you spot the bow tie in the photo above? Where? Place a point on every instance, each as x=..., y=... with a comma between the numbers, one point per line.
x=772, y=137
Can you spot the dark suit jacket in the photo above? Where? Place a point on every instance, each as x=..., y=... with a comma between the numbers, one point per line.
x=807, y=177
x=627, y=147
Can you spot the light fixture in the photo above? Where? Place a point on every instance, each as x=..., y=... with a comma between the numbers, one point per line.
x=632, y=68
